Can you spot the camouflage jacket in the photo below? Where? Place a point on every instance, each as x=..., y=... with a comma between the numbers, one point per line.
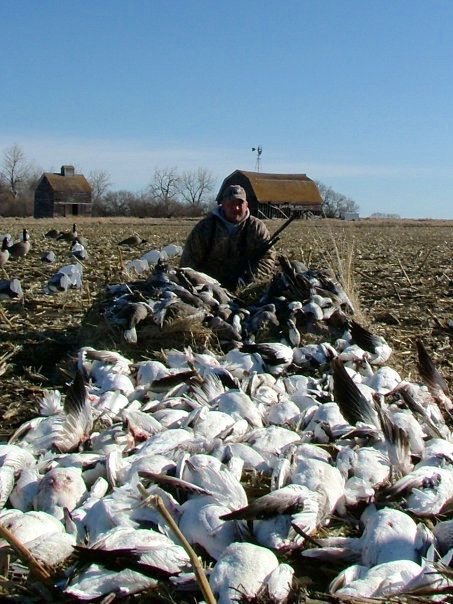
x=228, y=256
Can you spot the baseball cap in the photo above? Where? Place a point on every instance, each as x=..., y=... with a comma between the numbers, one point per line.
x=235, y=192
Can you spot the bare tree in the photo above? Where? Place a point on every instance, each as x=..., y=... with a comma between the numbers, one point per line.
x=165, y=184
x=15, y=168
x=195, y=187
x=115, y=203
x=100, y=184
x=335, y=204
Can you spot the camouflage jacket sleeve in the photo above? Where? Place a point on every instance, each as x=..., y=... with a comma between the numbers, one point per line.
x=196, y=248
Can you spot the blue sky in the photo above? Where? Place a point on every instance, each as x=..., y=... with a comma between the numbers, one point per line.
x=358, y=94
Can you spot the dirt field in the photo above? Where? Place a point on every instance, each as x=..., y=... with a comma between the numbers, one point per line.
x=401, y=272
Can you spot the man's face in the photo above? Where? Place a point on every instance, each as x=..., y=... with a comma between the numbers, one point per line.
x=234, y=210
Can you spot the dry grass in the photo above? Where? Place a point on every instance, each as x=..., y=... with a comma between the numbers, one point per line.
x=340, y=260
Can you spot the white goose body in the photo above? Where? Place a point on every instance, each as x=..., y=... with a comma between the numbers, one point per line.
x=210, y=474
x=200, y=524
x=236, y=403
x=242, y=570
x=383, y=580
x=28, y=526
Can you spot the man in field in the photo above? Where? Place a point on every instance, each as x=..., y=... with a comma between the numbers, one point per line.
x=228, y=243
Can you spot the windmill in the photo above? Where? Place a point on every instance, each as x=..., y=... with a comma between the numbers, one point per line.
x=259, y=151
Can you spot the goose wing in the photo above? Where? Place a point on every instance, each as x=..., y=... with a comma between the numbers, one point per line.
x=282, y=501
x=427, y=369
x=174, y=483
x=364, y=338
x=78, y=422
x=398, y=443
x=353, y=404
x=119, y=559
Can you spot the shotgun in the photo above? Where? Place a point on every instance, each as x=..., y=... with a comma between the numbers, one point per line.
x=249, y=262
x=276, y=236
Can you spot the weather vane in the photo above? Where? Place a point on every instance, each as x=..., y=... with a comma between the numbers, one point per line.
x=259, y=151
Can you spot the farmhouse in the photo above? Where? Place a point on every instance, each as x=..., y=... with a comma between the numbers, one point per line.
x=277, y=195
x=62, y=194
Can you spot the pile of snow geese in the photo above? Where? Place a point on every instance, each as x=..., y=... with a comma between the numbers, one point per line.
x=118, y=478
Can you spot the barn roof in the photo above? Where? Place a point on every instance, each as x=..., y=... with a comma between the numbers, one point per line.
x=289, y=188
x=67, y=184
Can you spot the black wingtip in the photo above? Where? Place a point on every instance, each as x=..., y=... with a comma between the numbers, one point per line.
x=76, y=395
x=427, y=369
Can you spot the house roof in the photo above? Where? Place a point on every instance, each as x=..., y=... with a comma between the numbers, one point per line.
x=289, y=188
x=67, y=184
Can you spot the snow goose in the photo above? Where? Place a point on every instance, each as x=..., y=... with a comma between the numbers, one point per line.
x=377, y=348
x=212, y=475
x=278, y=514
x=242, y=571
x=428, y=489
x=389, y=535
x=200, y=523
x=381, y=581
x=13, y=460
x=28, y=526
x=59, y=489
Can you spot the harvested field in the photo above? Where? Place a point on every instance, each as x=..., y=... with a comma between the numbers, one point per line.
x=401, y=273
x=398, y=274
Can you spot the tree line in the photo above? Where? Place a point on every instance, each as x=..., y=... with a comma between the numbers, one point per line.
x=170, y=193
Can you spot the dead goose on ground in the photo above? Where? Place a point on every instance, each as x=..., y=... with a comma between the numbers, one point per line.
x=200, y=523
x=428, y=490
x=375, y=345
x=359, y=582
x=59, y=489
x=245, y=570
x=30, y=525
x=277, y=515
x=126, y=560
x=388, y=535
x=64, y=431
x=276, y=357
x=13, y=459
